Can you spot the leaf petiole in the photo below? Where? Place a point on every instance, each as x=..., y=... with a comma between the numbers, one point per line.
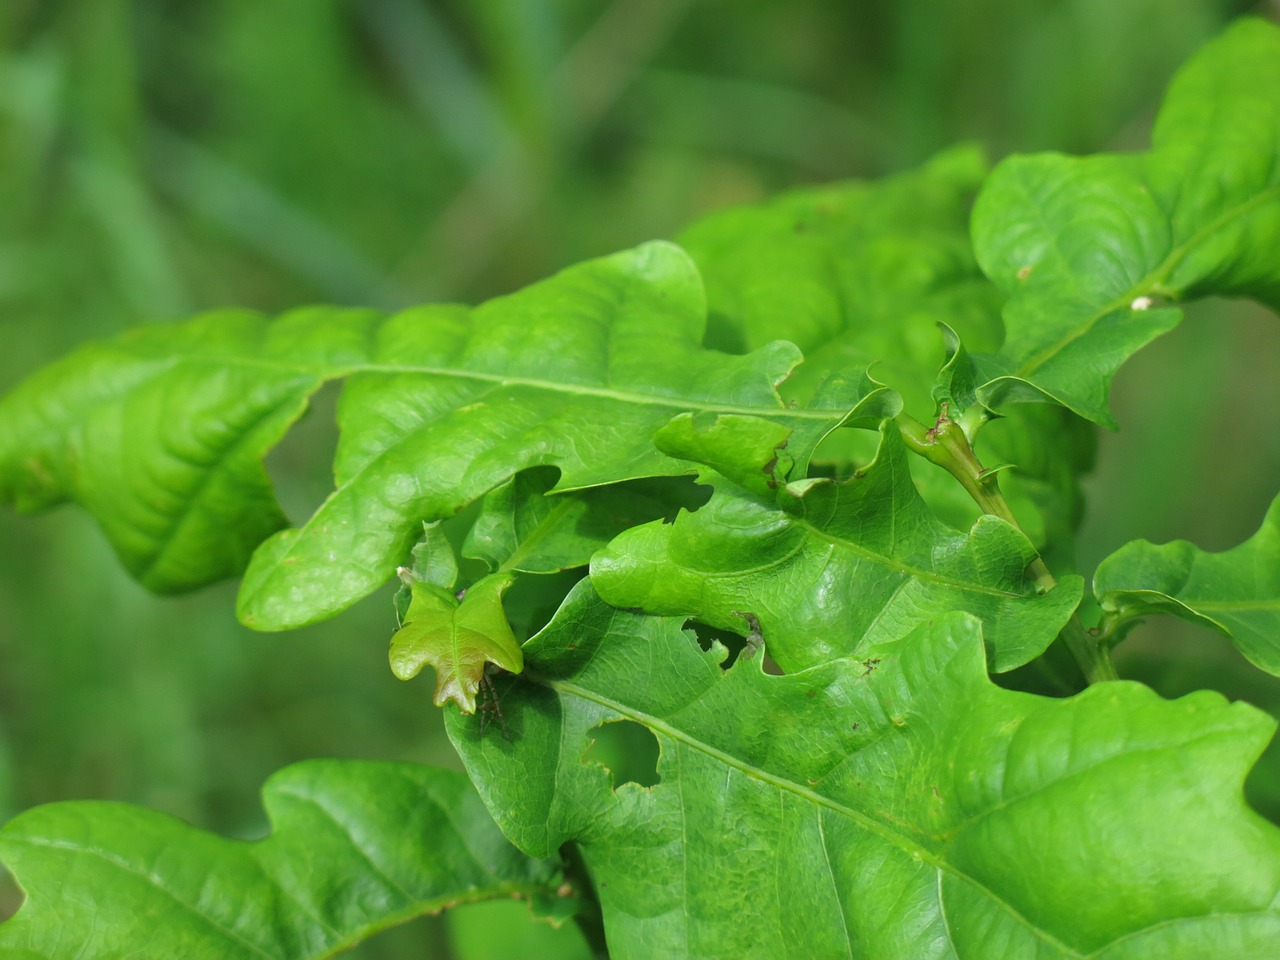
x=946, y=444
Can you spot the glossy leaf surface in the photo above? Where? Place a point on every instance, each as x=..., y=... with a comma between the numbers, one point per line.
x=902, y=810
x=356, y=847
x=860, y=275
x=1236, y=592
x=161, y=432
x=831, y=568
x=1092, y=250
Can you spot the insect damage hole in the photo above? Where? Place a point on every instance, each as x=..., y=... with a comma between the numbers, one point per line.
x=628, y=750
x=730, y=646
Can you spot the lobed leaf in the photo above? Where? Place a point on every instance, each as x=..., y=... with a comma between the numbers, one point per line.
x=906, y=810
x=1236, y=592
x=1090, y=250
x=161, y=433
x=862, y=274
x=828, y=568
x=356, y=847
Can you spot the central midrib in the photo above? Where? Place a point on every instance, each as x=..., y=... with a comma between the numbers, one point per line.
x=863, y=820
x=575, y=389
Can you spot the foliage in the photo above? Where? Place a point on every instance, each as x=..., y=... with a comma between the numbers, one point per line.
x=336, y=869
x=882, y=797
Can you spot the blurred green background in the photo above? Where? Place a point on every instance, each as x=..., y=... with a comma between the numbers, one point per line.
x=159, y=157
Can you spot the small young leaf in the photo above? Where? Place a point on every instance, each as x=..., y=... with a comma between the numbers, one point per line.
x=957, y=383
x=904, y=808
x=748, y=451
x=1236, y=593
x=357, y=847
x=1088, y=248
x=830, y=568
x=457, y=639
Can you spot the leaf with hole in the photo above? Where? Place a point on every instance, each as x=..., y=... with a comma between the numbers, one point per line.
x=829, y=568
x=904, y=809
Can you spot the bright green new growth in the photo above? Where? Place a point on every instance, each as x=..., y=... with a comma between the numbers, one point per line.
x=457, y=638
x=831, y=568
x=884, y=798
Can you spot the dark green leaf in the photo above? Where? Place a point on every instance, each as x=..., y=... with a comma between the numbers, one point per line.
x=357, y=847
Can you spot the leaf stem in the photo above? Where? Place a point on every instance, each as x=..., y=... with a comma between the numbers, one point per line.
x=947, y=445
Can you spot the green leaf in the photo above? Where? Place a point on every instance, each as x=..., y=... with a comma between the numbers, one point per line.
x=1090, y=249
x=503, y=930
x=957, y=384
x=161, y=433
x=434, y=561
x=357, y=847
x=903, y=810
x=862, y=274
x=832, y=568
x=521, y=528
x=457, y=639
x=756, y=454
x=854, y=273
x=1236, y=592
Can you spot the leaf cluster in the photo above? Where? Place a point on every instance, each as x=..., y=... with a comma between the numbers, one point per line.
x=732, y=444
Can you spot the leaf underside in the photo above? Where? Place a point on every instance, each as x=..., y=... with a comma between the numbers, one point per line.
x=1236, y=592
